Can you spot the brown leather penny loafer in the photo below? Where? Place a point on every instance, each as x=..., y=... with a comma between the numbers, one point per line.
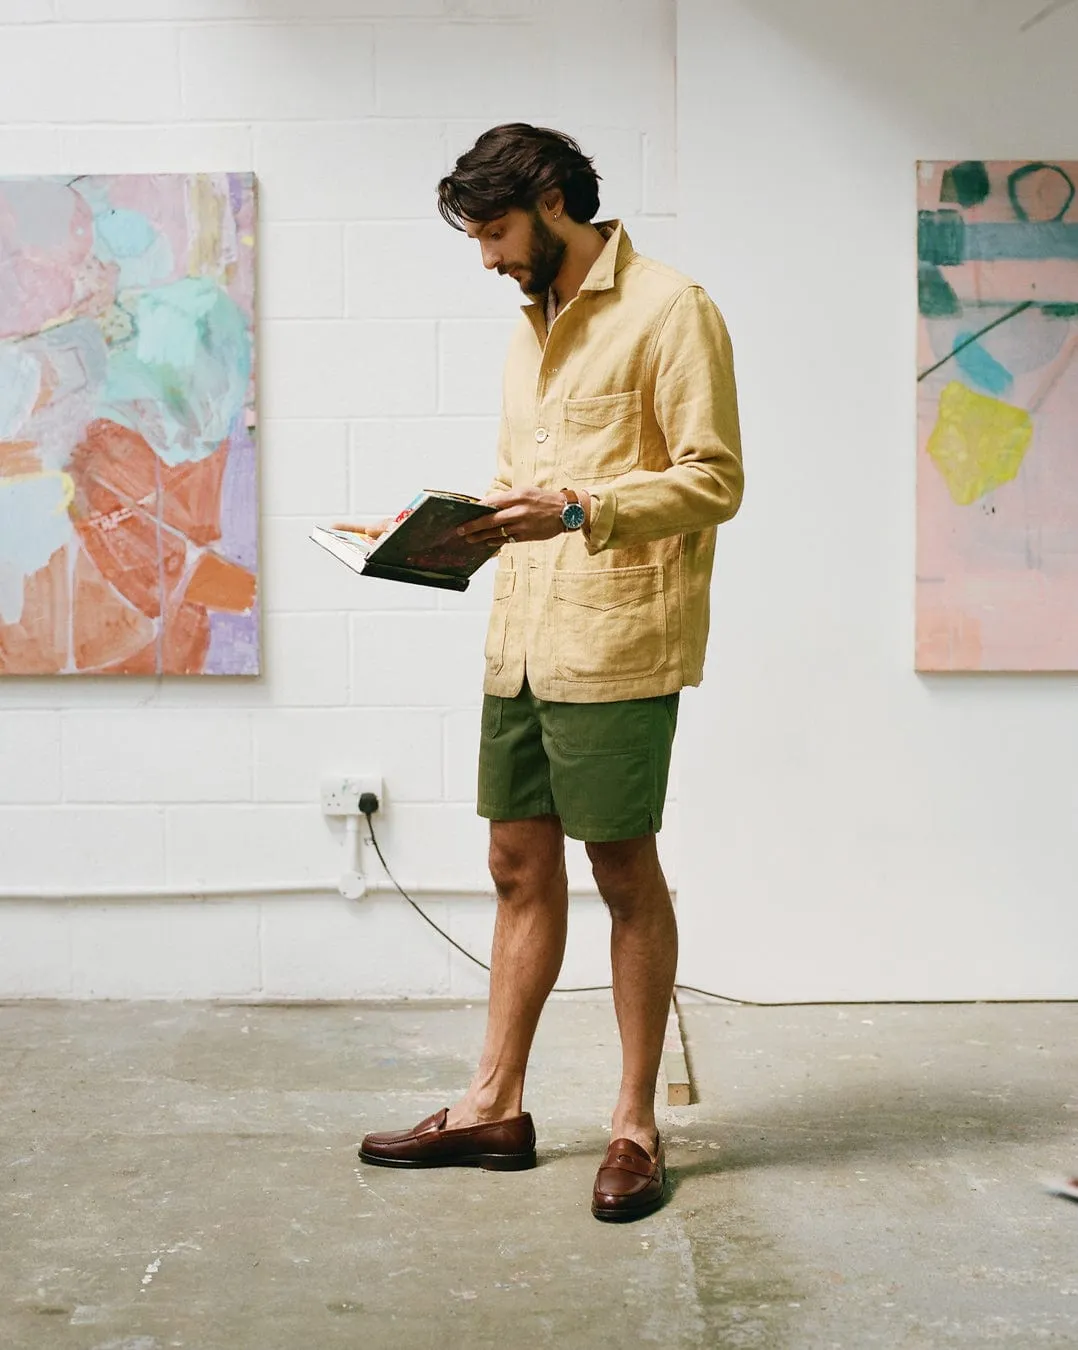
x=500, y=1146
x=629, y=1183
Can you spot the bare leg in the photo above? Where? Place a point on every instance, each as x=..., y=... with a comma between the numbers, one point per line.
x=527, y=862
x=643, y=955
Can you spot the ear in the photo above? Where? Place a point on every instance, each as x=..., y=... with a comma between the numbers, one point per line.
x=554, y=203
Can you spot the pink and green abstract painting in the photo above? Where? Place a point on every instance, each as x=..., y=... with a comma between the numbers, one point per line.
x=997, y=383
x=128, y=501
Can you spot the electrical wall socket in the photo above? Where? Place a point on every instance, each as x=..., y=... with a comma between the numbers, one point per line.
x=340, y=796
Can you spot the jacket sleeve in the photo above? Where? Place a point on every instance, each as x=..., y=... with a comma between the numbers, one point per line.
x=695, y=401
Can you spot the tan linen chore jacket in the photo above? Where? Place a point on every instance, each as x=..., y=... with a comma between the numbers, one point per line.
x=631, y=395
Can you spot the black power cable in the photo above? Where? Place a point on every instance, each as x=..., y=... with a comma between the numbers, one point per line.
x=368, y=807
x=368, y=804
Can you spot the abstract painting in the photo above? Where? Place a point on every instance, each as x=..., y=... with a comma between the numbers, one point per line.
x=128, y=502
x=997, y=382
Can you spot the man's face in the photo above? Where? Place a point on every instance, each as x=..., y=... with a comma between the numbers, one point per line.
x=520, y=244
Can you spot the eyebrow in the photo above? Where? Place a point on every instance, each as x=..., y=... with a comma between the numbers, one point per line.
x=487, y=225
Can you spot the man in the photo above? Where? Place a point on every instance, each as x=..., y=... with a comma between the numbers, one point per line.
x=619, y=453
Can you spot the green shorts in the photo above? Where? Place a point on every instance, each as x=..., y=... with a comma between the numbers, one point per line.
x=601, y=767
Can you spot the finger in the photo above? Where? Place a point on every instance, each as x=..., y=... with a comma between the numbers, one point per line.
x=488, y=536
x=479, y=541
x=368, y=531
x=487, y=525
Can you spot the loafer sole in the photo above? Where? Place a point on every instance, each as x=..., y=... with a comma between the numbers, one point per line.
x=489, y=1162
x=626, y=1213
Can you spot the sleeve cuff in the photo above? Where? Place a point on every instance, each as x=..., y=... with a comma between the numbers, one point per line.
x=603, y=510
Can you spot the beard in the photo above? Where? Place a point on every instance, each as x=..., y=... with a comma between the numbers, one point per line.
x=544, y=257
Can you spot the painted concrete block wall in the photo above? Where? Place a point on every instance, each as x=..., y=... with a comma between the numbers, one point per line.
x=853, y=830
x=380, y=346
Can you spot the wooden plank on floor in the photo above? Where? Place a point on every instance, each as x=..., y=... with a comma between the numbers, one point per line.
x=675, y=1062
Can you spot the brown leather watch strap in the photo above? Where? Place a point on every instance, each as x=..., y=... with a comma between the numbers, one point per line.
x=571, y=499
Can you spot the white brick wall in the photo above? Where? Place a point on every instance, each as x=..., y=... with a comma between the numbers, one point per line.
x=442, y=276
x=204, y=147
x=294, y=749
x=389, y=458
x=82, y=846
x=29, y=11
x=304, y=468
x=139, y=950
x=469, y=374
x=380, y=342
x=301, y=271
x=52, y=73
x=30, y=741
x=348, y=368
x=151, y=754
x=350, y=171
x=323, y=71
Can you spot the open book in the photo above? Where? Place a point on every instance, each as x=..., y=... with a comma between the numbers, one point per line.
x=421, y=546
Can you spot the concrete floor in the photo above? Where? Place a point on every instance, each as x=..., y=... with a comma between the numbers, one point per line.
x=185, y=1175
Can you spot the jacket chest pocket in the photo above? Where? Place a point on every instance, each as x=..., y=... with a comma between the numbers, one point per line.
x=601, y=436
x=609, y=625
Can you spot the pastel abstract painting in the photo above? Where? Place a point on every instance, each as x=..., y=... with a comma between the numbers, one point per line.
x=997, y=413
x=128, y=499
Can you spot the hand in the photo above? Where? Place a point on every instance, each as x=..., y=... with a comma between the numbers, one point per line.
x=526, y=514
x=368, y=531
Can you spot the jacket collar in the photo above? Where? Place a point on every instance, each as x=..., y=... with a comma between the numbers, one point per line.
x=617, y=251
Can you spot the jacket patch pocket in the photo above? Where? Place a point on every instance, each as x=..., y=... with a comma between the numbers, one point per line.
x=504, y=581
x=609, y=624
x=601, y=436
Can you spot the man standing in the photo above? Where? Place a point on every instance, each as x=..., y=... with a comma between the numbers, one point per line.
x=619, y=453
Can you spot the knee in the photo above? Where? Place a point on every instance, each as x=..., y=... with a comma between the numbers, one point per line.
x=625, y=872
x=519, y=873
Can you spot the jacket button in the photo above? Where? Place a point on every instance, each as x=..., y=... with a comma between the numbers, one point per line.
x=541, y=435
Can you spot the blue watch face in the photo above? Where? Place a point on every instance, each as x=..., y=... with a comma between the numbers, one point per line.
x=572, y=516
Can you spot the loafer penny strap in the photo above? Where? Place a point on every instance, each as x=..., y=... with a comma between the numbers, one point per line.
x=628, y=1157
x=433, y=1123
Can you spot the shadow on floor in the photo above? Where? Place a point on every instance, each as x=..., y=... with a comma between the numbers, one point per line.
x=895, y=1121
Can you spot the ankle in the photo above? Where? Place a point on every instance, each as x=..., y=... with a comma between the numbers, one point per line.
x=485, y=1104
x=648, y=1140
x=498, y=1087
x=639, y=1126
x=485, y=1112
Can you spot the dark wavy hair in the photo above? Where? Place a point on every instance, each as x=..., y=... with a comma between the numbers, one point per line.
x=512, y=166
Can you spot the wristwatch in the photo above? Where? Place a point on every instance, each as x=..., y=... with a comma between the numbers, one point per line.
x=572, y=514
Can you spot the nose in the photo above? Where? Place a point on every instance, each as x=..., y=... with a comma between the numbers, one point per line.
x=491, y=258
